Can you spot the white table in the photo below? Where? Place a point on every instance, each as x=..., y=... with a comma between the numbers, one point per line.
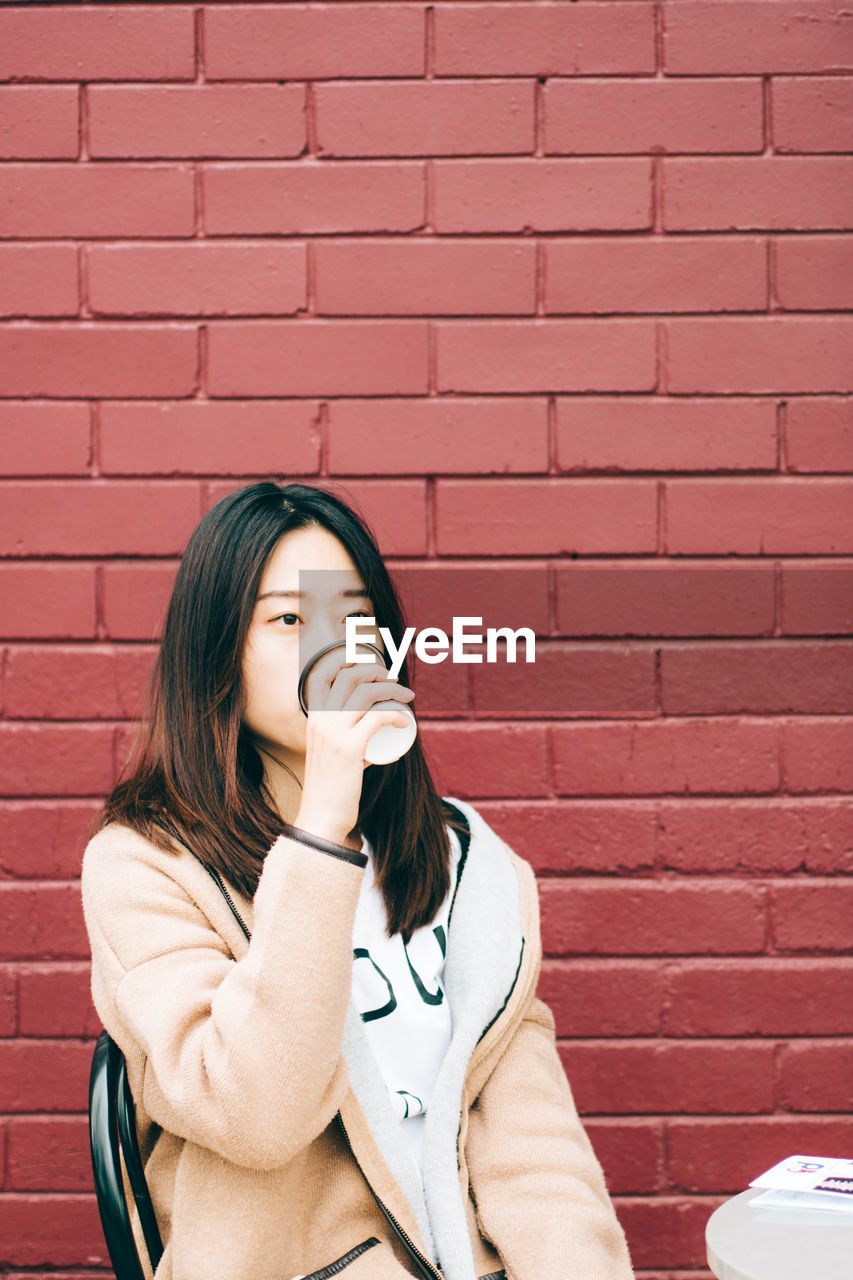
x=778, y=1244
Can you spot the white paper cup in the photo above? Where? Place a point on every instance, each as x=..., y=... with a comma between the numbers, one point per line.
x=390, y=741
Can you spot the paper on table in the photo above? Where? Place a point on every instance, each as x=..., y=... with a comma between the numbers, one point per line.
x=819, y=1200
x=807, y=1182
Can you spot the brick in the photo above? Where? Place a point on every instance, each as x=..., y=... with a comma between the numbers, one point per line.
x=298, y=41
x=494, y=594
x=203, y=437
x=42, y=1229
x=744, y=193
x=49, y=1155
x=635, y=918
x=600, y=433
x=624, y=1078
x=489, y=760
x=815, y=1076
x=588, y=117
x=425, y=277
x=666, y=1232
x=540, y=40
x=540, y=195
x=666, y=757
x=204, y=279
x=442, y=435
x=63, y=683
x=41, y=921
x=44, y=840
x=427, y=118
x=630, y=1151
x=592, y=276
x=812, y=114
x=812, y=915
x=8, y=1015
x=613, y=836
x=329, y=357
x=660, y=599
x=819, y=435
x=55, y=760
x=743, y=354
x=603, y=997
x=814, y=273
x=38, y=439
x=395, y=510
x=759, y=517
x=756, y=38
x=806, y=678
x=96, y=200
x=817, y=755
x=766, y=997
x=441, y=691
x=745, y=836
x=47, y=601
x=552, y=355
x=97, y=360
x=55, y=1000
x=545, y=517
x=313, y=198
x=119, y=42
x=569, y=680
x=228, y=121
x=38, y=123
x=828, y=823
x=97, y=518
x=135, y=597
x=723, y=1155
x=38, y=280
x=817, y=599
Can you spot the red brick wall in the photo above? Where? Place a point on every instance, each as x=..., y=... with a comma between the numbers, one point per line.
x=550, y=286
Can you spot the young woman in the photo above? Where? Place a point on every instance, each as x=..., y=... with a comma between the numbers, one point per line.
x=322, y=975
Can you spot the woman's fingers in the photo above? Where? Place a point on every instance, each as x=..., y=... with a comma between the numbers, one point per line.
x=367, y=693
x=330, y=679
x=353, y=687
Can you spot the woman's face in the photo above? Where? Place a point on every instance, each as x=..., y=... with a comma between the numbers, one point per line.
x=287, y=628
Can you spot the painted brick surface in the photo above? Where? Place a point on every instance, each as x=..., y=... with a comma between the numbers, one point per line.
x=560, y=295
x=39, y=280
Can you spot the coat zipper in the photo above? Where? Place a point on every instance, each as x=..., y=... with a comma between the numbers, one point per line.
x=341, y=1264
x=218, y=878
x=425, y=1267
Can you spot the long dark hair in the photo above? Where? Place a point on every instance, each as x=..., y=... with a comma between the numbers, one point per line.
x=194, y=768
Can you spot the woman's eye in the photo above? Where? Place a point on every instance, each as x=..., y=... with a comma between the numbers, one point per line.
x=290, y=618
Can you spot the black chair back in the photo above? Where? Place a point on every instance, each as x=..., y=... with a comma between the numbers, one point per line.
x=112, y=1135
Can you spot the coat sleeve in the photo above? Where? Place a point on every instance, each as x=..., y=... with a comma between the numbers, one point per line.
x=537, y=1184
x=240, y=1056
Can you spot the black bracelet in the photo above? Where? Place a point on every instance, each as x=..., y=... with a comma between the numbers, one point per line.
x=325, y=846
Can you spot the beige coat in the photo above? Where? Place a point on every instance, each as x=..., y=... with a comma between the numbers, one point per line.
x=269, y=1143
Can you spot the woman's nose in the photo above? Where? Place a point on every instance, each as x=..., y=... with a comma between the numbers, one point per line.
x=319, y=632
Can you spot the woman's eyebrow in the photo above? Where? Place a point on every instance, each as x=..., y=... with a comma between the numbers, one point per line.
x=351, y=593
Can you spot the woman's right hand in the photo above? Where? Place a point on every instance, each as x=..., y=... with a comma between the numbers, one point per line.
x=343, y=714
